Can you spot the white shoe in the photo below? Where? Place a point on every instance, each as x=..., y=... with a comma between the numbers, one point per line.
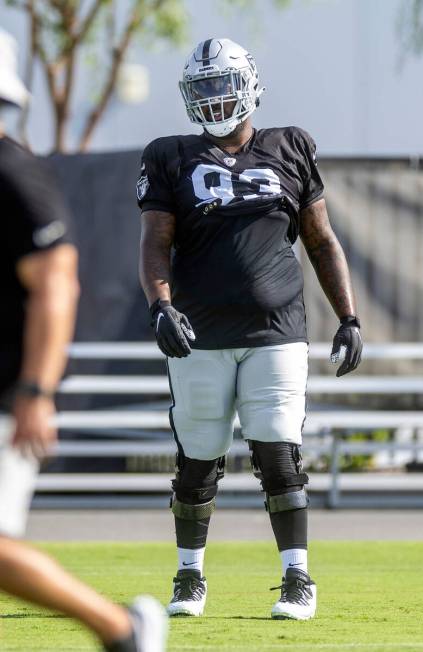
x=150, y=624
x=189, y=594
x=298, y=597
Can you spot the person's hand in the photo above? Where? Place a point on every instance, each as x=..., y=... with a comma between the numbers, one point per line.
x=348, y=335
x=35, y=433
x=172, y=329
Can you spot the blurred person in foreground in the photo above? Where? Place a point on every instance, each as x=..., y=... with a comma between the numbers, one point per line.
x=227, y=308
x=39, y=289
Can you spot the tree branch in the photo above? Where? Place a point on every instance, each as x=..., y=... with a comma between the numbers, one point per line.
x=89, y=20
x=134, y=22
x=51, y=70
x=38, y=49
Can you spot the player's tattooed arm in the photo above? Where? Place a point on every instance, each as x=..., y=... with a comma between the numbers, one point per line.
x=327, y=257
x=157, y=234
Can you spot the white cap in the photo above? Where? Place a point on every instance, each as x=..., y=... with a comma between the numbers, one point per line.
x=12, y=88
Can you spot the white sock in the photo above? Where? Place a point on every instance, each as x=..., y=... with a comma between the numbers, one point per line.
x=188, y=558
x=294, y=558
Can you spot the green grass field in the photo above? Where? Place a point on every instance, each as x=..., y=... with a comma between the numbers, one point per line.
x=370, y=598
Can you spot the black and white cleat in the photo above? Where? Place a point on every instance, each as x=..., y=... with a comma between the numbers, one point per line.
x=298, y=597
x=189, y=594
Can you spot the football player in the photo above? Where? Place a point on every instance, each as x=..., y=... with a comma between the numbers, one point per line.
x=227, y=307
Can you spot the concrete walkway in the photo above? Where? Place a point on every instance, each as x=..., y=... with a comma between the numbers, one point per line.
x=227, y=525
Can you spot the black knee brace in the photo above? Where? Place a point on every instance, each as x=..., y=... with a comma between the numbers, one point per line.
x=195, y=486
x=278, y=466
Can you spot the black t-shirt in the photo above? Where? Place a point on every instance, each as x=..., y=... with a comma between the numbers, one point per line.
x=33, y=218
x=234, y=273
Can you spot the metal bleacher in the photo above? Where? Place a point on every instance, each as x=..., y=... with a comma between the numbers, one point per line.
x=325, y=433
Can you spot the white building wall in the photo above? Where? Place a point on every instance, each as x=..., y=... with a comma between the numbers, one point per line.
x=330, y=66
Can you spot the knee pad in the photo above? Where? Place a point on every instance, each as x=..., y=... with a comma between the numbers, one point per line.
x=278, y=466
x=195, y=486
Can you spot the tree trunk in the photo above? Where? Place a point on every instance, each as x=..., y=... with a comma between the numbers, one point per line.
x=60, y=130
x=28, y=77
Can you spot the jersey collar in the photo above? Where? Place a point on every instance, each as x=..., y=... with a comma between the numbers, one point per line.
x=245, y=147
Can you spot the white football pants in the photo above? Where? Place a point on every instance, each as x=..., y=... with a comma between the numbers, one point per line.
x=265, y=385
x=18, y=474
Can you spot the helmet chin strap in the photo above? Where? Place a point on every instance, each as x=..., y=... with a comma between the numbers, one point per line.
x=225, y=128
x=222, y=130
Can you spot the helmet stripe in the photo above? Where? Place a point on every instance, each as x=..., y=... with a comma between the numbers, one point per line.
x=206, y=52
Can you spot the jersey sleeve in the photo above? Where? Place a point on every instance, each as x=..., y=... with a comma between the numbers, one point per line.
x=313, y=187
x=38, y=218
x=154, y=189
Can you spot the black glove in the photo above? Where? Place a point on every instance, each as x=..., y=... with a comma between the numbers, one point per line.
x=348, y=335
x=172, y=329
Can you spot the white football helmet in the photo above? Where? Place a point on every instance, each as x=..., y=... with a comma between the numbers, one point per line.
x=220, y=85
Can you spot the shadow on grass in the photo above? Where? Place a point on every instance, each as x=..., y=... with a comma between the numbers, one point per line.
x=246, y=618
x=204, y=618
x=32, y=615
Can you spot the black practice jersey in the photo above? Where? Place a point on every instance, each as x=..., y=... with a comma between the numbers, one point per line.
x=33, y=218
x=234, y=273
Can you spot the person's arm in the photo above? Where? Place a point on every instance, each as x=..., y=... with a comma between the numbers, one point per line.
x=50, y=278
x=328, y=259
x=157, y=234
x=171, y=328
